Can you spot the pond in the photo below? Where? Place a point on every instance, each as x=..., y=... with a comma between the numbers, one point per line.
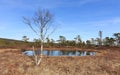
x=59, y=53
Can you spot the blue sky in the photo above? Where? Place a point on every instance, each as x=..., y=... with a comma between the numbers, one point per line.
x=72, y=17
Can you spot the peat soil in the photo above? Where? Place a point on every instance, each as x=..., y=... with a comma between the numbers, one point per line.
x=106, y=62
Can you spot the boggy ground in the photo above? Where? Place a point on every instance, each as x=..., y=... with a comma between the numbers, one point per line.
x=105, y=63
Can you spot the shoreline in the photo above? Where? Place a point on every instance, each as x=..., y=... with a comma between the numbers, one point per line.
x=69, y=49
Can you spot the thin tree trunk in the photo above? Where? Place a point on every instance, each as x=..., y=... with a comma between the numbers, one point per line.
x=41, y=54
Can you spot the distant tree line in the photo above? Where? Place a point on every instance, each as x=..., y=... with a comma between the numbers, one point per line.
x=62, y=42
x=78, y=42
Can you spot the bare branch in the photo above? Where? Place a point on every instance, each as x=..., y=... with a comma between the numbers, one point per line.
x=41, y=20
x=28, y=22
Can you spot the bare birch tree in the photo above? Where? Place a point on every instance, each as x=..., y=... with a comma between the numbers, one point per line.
x=41, y=24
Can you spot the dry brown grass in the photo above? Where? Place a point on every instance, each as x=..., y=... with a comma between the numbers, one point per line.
x=14, y=63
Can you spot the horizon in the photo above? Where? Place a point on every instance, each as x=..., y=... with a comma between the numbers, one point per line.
x=81, y=17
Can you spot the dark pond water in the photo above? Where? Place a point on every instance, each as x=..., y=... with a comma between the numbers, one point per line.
x=59, y=53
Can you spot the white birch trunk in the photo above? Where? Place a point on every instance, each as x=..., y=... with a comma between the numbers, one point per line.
x=40, y=59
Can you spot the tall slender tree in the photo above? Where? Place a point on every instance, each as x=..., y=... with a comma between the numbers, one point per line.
x=100, y=38
x=40, y=23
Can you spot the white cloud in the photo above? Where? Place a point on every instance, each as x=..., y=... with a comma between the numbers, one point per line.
x=114, y=22
x=102, y=23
